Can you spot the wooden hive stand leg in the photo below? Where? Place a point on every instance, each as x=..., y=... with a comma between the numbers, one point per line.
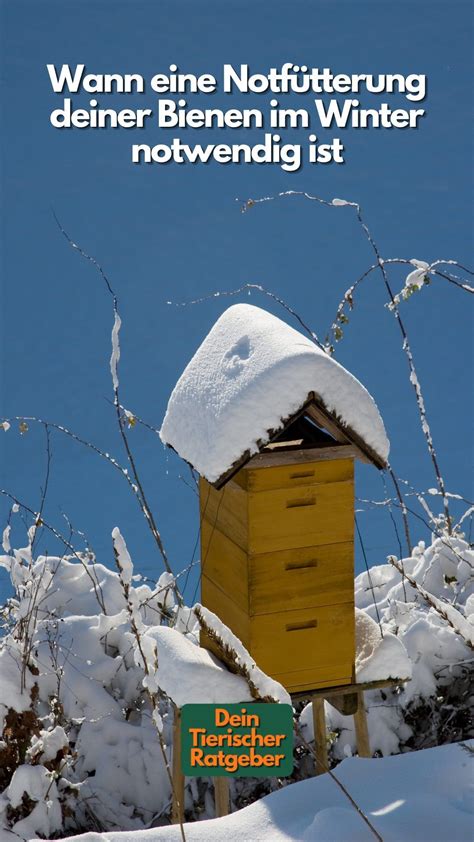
x=320, y=741
x=221, y=796
x=177, y=808
x=361, y=730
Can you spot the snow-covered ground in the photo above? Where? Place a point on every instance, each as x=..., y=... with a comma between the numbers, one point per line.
x=83, y=707
x=92, y=746
x=422, y=796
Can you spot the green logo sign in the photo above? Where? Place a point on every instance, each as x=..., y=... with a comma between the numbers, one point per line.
x=251, y=740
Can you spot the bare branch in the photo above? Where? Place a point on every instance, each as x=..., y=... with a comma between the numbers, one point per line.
x=446, y=611
x=341, y=786
x=152, y=696
x=46, y=483
x=114, y=365
x=247, y=287
x=95, y=583
x=380, y=263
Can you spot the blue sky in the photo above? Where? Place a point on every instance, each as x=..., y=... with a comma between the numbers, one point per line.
x=176, y=232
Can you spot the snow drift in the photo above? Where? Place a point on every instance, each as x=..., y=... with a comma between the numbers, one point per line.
x=79, y=746
x=430, y=707
x=418, y=796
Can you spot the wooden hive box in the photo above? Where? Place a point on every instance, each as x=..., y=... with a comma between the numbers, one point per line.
x=277, y=562
x=272, y=424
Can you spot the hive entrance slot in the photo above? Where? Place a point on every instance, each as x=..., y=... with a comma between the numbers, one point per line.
x=301, y=565
x=309, y=624
x=302, y=475
x=303, y=501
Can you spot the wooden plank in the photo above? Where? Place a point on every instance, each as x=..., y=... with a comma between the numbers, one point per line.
x=301, y=578
x=220, y=603
x=361, y=730
x=324, y=420
x=306, y=639
x=345, y=703
x=299, y=473
x=225, y=564
x=284, y=519
x=241, y=478
x=342, y=432
x=351, y=687
x=320, y=738
x=177, y=807
x=226, y=509
x=221, y=796
x=301, y=684
x=268, y=459
x=294, y=444
x=315, y=408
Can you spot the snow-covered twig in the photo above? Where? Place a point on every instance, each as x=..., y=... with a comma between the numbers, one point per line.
x=46, y=483
x=114, y=359
x=125, y=571
x=453, y=617
x=431, y=526
x=259, y=288
x=431, y=269
x=403, y=508
x=95, y=583
x=380, y=264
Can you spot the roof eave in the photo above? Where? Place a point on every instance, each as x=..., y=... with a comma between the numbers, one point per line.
x=315, y=407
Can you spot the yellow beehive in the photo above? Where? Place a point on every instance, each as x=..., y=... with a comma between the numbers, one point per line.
x=277, y=507
x=277, y=564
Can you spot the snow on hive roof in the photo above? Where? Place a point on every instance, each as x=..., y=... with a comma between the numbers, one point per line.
x=251, y=373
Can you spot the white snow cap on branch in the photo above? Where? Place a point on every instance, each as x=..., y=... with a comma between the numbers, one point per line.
x=123, y=556
x=114, y=359
x=6, y=539
x=251, y=372
x=416, y=278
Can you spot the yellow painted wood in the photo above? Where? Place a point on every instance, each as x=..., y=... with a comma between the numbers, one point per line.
x=225, y=564
x=270, y=458
x=301, y=578
x=291, y=476
x=227, y=509
x=277, y=568
x=241, y=478
x=308, y=638
x=283, y=519
x=220, y=603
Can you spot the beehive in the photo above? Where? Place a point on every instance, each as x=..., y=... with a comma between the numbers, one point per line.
x=273, y=424
x=277, y=563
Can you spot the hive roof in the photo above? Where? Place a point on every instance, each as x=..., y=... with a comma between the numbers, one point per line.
x=250, y=378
